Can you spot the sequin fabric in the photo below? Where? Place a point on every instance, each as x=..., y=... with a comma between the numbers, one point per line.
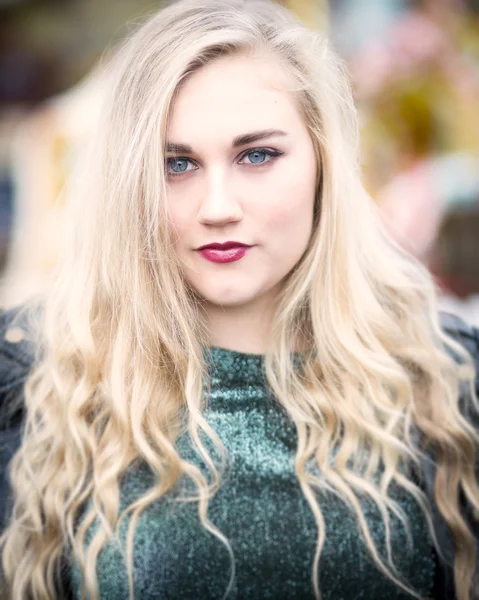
x=262, y=512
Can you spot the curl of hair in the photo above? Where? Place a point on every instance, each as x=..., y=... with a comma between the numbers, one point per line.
x=119, y=326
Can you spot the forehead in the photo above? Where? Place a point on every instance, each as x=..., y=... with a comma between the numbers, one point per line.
x=234, y=95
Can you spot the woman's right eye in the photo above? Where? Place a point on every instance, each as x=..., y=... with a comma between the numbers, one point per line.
x=178, y=165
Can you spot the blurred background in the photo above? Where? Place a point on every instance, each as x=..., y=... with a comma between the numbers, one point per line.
x=415, y=72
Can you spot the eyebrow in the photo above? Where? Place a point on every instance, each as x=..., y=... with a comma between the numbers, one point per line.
x=239, y=140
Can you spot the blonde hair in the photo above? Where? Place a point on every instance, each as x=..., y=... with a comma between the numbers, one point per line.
x=119, y=327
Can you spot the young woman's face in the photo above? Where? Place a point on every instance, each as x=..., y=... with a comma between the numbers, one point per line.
x=242, y=176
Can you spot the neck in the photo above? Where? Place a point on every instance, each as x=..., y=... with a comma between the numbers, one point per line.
x=242, y=328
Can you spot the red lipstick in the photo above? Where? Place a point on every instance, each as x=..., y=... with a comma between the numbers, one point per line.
x=223, y=253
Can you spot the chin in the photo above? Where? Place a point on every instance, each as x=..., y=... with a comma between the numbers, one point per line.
x=227, y=299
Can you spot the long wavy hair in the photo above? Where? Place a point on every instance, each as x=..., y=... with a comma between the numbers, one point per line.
x=119, y=327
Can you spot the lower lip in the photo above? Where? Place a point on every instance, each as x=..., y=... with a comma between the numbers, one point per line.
x=224, y=256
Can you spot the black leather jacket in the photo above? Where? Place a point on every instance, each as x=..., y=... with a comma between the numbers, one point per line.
x=16, y=360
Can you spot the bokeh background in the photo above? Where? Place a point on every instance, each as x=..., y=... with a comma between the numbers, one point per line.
x=415, y=71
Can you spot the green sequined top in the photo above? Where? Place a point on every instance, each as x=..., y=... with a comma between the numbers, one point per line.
x=264, y=515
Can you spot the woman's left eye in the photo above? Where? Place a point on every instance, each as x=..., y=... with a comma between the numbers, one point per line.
x=259, y=156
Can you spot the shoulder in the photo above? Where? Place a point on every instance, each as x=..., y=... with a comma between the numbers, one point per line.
x=461, y=331
x=14, y=344
x=468, y=336
x=16, y=351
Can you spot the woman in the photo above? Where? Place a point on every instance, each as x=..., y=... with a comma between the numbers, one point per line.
x=240, y=386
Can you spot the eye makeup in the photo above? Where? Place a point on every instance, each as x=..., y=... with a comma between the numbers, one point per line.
x=269, y=152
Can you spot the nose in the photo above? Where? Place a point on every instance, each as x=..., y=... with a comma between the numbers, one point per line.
x=219, y=203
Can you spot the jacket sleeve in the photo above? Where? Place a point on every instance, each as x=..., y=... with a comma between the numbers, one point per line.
x=16, y=362
x=16, y=359
x=468, y=337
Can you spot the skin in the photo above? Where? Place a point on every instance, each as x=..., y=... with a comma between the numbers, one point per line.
x=219, y=193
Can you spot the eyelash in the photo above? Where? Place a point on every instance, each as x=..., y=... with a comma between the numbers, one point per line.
x=273, y=154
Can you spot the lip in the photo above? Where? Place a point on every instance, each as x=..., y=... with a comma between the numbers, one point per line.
x=224, y=252
x=223, y=246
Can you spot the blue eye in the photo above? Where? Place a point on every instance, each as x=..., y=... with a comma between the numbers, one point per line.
x=177, y=165
x=259, y=155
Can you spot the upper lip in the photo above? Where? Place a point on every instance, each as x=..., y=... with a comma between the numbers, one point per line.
x=223, y=245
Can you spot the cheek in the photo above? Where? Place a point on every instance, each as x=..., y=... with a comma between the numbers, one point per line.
x=290, y=209
x=179, y=218
x=183, y=206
